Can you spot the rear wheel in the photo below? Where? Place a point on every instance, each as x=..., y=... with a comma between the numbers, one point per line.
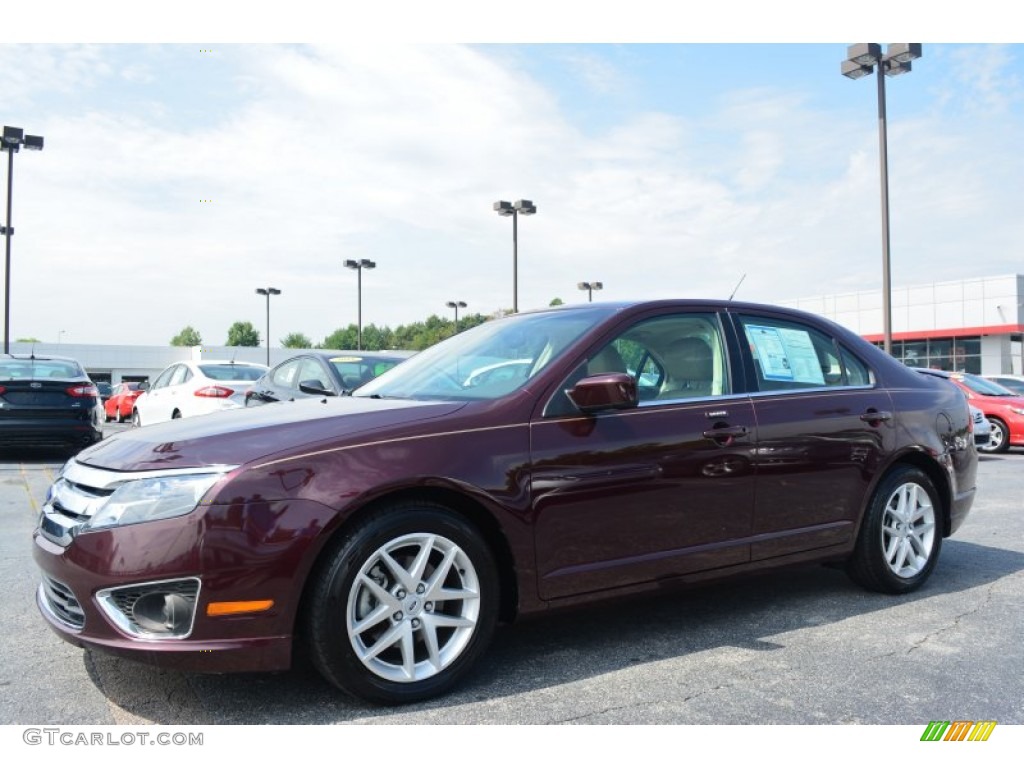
x=403, y=606
x=900, y=536
x=998, y=438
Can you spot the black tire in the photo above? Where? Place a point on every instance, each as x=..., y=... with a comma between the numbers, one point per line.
x=901, y=534
x=136, y=419
x=176, y=414
x=353, y=587
x=1000, y=440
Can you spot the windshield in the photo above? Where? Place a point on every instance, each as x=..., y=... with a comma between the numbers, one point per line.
x=488, y=361
x=982, y=386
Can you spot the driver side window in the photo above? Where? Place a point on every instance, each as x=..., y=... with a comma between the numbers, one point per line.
x=677, y=357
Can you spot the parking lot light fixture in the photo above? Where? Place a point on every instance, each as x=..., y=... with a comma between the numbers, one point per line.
x=590, y=288
x=11, y=141
x=515, y=210
x=359, y=266
x=456, y=305
x=861, y=60
x=268, y=292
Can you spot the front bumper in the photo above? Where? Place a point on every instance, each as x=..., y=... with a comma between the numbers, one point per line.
x=237, y=552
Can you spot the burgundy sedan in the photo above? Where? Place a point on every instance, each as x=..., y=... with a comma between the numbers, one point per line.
x=385, y=534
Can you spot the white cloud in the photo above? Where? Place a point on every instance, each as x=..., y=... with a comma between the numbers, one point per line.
x=396, y=153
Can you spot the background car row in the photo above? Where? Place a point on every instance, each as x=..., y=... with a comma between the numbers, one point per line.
x=1003, y=408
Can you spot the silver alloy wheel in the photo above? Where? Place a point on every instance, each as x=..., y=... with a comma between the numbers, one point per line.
x=413, y=607
x=995, y=438
x=908, y=530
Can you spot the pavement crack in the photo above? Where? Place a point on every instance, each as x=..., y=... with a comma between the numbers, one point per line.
x=954, y=623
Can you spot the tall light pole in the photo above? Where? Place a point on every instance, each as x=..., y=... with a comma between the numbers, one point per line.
x=268, y=292
x=861, y=60
x=456, y=305
x=590, y=288
x=519, y=207
x=359, y=266
x=12, y=140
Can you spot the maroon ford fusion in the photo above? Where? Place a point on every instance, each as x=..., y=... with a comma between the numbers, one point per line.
x=537, y=461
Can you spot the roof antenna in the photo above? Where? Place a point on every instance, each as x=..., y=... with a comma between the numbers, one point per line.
x=737, y=286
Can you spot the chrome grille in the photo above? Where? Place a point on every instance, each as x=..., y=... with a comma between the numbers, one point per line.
x=62, y=602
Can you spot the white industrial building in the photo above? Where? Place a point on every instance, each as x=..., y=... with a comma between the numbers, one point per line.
x=973, y=325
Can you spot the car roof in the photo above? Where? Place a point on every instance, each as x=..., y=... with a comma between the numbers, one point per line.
x=30, y=358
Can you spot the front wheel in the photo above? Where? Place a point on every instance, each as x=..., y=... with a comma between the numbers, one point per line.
x=136, y=419
x=998, y=438
x=403, y=606
x=901, y=534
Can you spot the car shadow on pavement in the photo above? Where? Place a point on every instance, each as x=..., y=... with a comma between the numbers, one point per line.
x=547, y=652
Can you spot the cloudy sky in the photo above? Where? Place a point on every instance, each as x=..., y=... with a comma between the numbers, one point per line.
x=179, y=174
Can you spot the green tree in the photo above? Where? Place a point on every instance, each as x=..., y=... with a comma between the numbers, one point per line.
x=342, y=338
x=187, y=337
x=243, y=334
x=29, y=340
x=556, y=302
x=297, y=341
x=374, y=338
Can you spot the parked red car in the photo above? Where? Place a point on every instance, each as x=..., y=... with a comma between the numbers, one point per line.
x=1002, y=407
x=119, y=405
x=385, y=534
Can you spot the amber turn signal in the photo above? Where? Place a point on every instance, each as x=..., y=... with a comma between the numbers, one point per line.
x=241, y=606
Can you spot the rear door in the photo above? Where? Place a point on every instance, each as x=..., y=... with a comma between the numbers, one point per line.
x=824, y=429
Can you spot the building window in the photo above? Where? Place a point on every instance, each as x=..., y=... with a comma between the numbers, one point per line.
x=956, y=353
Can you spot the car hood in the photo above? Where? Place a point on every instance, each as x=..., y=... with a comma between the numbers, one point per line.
x=241, y=436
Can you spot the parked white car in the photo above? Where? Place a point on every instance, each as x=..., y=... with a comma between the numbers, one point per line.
x=194, y=388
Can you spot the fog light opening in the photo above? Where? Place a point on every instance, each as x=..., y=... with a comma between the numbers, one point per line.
x=163, y=610
x=163, y=613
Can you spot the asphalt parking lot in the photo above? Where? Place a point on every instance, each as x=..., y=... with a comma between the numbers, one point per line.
x=803, y=647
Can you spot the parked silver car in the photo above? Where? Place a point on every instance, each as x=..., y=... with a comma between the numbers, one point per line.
x=982, y=426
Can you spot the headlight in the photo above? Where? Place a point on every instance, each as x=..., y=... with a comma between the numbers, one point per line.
x=154, y=498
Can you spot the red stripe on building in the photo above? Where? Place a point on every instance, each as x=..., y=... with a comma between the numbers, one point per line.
x=981, y=330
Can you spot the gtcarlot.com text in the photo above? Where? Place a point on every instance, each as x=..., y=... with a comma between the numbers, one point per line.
x=68, y=737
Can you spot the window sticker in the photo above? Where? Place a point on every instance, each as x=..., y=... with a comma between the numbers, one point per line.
x=785, y=354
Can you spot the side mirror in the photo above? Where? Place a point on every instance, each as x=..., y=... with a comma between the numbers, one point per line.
x=314, y=387
x=604, y=392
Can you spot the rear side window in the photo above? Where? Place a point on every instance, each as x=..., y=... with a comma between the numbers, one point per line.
x=230, y=372
x=790, y=355
x=40, y=369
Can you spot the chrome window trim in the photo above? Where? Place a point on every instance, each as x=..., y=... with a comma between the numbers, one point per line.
x=814, y=390
x=696, y=399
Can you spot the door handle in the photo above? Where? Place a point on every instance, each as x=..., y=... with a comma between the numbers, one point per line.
x=876, y=417
x=725, y=433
